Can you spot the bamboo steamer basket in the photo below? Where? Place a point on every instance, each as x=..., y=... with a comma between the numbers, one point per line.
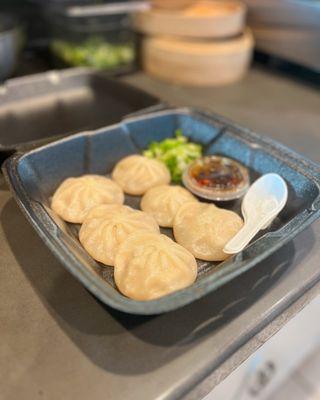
x=197, y=63
x=204, y=19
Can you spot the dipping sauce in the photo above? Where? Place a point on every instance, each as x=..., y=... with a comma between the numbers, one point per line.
x=216, y=178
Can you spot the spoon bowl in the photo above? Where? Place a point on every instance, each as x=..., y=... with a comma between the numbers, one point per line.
x=262, y=203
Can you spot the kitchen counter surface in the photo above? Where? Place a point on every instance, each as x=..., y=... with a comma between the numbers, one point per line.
x=58, y=342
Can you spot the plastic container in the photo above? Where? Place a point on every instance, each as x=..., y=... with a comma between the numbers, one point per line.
x=217, y=178
x=38, y=108
x=98, y=36
x=35, y=175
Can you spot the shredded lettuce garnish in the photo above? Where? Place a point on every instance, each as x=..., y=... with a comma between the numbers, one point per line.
x=177, y=153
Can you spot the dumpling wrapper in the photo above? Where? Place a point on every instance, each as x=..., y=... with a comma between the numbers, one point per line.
x=107, y=226
x=76, y=196
x=164, y=201
x=149, y=266
x=136, y=174
x=204, y=229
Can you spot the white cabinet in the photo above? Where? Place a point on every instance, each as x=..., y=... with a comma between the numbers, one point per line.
x=262, y=374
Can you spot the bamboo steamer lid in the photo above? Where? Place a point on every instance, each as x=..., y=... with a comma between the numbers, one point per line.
x=172, y=4
x=195, y=62
x=203, y=19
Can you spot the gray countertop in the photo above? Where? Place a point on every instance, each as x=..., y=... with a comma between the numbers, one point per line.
x=57, y=341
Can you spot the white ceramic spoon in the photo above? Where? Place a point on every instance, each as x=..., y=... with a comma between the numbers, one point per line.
x=263, y=201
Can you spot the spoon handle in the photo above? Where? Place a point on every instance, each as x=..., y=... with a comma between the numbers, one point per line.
x=250, y=228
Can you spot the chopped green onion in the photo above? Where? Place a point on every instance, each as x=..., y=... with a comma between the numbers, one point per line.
x=94, y=52
x=177, y=153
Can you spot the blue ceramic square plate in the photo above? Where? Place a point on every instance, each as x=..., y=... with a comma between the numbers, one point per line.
x=34, y=176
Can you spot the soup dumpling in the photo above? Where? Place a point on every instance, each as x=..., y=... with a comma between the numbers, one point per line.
x=204, y=229
x=136, y=174
x=164, y=201
x=107, y=226
x=148, y=266
x=76, y=196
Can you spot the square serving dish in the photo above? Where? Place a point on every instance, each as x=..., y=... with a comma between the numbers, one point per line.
x=34, y=176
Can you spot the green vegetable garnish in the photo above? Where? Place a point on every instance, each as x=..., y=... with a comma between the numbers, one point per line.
x=94, y=52
x=177, y=153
